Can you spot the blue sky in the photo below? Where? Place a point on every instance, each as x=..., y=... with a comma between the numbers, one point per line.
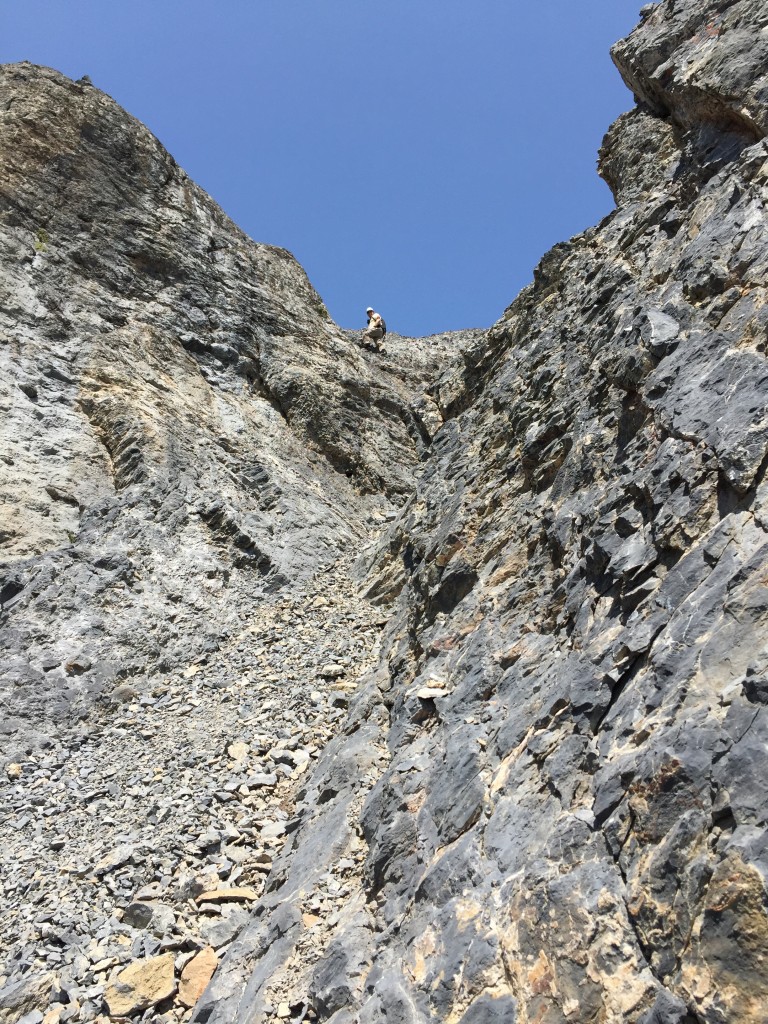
x=419, y=156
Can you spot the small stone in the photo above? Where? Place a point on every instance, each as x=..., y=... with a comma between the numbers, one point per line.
x=281, y=756
x=157, y=918
x=331, y=671
x=208, y=839
x=189, y=885
x=196, y=975
x=237, y=854
x=13, y=771
x=33, y=1017
x=141, y=985
x=273, y=830
x=238, y=751
x=262, y=779
x=124, y=694
x=149, y=892
x=77, y=665
x=114, y=859
x=104, y=965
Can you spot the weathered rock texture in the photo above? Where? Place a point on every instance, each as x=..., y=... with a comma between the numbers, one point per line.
x=183, y=425
x=547, y=802
x=555, y=775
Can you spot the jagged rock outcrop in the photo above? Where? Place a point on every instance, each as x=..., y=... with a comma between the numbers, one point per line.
x=183, y=425
x=546, y=802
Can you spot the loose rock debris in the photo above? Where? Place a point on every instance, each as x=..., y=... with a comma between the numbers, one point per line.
x=185, y=793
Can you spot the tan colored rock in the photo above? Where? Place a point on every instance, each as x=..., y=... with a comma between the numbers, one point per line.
x=430, y=692
x=104, y=965
x=222, y=895
x=141, y=985
x=24, y=996
x=13, y=771
x=196, y=975
x=238, y=750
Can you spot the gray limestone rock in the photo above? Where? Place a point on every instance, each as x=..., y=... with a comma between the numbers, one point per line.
x=569, y=814
x=184, y=427
x=529, y=786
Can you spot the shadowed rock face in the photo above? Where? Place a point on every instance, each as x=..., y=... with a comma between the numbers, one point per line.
x=183, y=425
x=547, y=802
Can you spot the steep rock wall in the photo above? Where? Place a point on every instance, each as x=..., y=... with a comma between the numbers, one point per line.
x=183, y=425
x=547, y=804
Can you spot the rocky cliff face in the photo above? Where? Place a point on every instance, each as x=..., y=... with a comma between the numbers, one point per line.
x=546, y=802
x=184, y=427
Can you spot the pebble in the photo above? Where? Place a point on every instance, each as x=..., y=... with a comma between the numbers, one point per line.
x=330, y=671
x=238, y=751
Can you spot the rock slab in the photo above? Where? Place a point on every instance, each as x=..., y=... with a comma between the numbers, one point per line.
x=196, y=975
x=142, y=985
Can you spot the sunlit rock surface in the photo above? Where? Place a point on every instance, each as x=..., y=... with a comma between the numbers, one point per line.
x=183, y=425
x=547, y=802
x=568, y=730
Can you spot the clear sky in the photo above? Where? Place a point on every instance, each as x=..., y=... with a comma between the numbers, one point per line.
x=419, y=156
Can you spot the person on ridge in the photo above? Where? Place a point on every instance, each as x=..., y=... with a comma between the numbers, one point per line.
x=374, y=333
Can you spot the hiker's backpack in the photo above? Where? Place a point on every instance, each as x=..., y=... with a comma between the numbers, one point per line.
x=383, y=327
